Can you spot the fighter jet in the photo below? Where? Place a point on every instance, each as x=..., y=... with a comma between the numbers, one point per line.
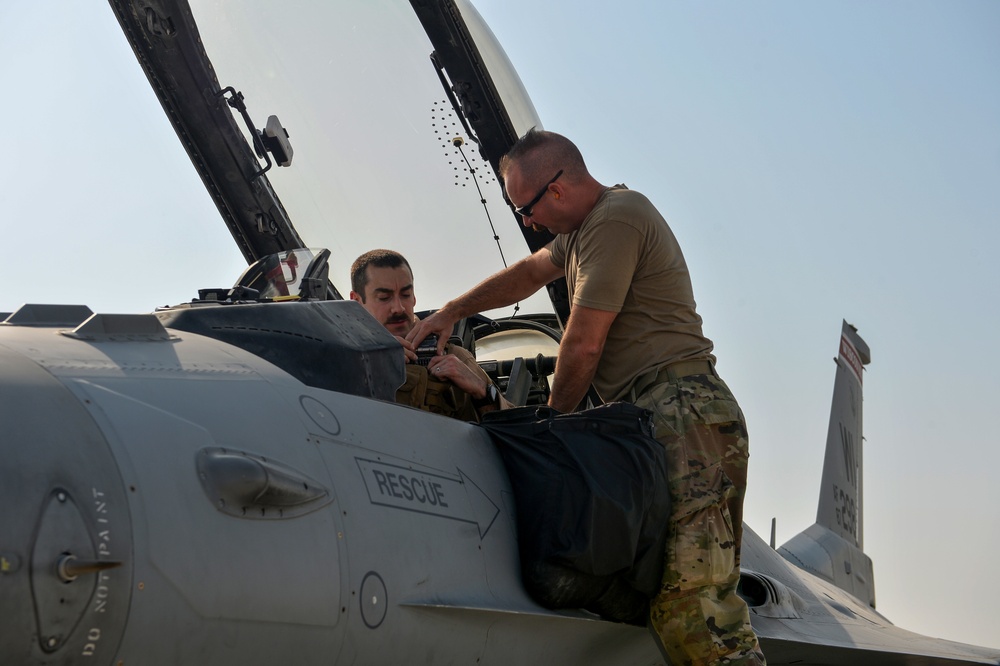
x=228, y=480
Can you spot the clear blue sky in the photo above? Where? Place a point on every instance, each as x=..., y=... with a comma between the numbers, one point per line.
x=818, y=161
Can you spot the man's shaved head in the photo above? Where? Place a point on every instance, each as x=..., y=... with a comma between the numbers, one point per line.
x=540, y=154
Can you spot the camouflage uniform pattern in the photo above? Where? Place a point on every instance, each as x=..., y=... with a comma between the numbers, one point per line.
x=697, y=615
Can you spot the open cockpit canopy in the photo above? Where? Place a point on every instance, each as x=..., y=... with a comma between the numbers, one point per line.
x=360, y=99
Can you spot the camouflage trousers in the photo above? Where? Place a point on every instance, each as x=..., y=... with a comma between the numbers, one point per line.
x=697, y=615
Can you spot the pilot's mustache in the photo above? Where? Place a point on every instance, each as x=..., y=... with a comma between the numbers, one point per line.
x=398, y=319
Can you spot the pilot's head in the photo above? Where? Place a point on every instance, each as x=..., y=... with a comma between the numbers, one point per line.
x=381, y=280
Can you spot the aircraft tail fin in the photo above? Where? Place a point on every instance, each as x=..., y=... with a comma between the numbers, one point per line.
x=833, y=547
x=840, y=501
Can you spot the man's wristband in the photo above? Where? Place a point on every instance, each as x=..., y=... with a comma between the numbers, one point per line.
x=492, y=398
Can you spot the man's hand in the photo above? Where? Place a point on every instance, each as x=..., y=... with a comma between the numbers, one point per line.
x=499, y=290
x=452, y=368
x=439, y=323
x=408, y=349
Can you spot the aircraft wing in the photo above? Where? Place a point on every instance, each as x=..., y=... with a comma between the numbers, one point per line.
x=802, y=619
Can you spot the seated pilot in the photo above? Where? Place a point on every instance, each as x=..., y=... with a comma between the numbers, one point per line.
x=451, y=384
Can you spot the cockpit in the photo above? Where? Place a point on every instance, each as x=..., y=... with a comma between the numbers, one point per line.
x=292, y=275
x=283, y=309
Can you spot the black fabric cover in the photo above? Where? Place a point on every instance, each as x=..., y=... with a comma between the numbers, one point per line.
x=592, y=505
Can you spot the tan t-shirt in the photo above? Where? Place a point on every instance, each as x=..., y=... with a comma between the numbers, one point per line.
x=625, y=259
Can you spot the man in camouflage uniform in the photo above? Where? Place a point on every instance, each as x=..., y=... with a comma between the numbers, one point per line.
x=452, y=383
x=634, y=334
x=702, y=428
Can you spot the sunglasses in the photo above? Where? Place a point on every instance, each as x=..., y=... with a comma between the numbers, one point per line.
x=525, y=211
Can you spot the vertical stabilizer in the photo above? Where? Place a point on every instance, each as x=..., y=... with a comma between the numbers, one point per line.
x=833, y=547
x=840, y=499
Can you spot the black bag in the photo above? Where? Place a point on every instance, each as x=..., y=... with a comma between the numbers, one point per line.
x=592, y=505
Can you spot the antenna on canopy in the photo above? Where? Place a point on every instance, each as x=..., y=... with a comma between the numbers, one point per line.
x=458, y=142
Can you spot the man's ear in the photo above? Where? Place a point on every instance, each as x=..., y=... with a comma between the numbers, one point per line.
x=355, y=296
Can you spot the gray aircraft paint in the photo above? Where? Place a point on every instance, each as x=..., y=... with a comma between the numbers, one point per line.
x=366, y=570
x=113, y=448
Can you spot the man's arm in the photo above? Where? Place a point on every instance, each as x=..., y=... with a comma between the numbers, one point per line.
x=460, y=368
x=579, y=352
x=509, y=286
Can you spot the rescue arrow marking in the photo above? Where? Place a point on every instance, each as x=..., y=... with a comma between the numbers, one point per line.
x=433, y=494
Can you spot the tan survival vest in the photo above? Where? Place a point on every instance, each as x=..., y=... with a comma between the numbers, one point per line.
x=431, y=395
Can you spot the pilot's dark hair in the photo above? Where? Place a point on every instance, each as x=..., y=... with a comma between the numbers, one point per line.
x=378, y=259
x=540, y=154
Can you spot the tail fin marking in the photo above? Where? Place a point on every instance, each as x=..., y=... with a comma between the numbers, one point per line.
x=833, y=547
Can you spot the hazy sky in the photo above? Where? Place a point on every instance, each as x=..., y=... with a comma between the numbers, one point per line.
x=818, y=161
